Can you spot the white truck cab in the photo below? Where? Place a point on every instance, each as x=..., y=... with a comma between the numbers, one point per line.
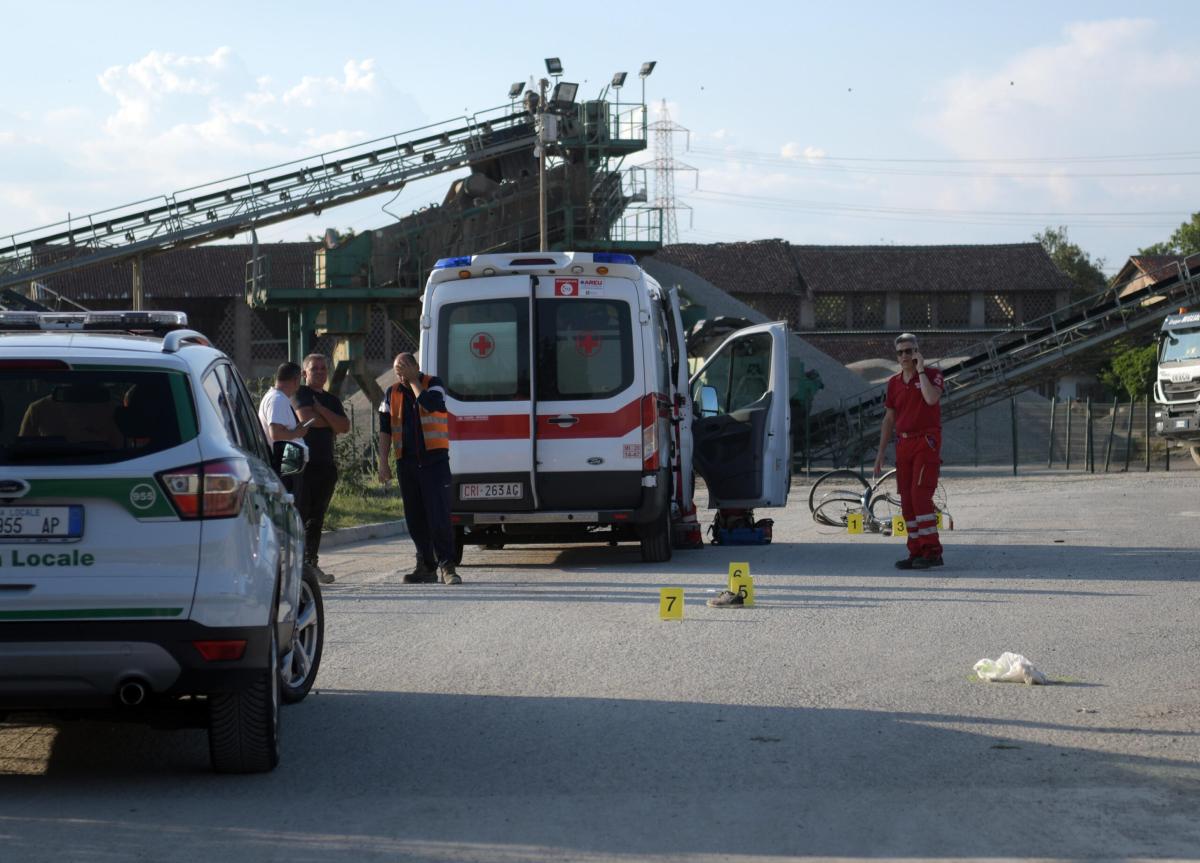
x=1177, y=384
x=571, y=411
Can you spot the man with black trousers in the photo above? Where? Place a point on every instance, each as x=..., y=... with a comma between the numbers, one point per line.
x=328, y=417
x=413, y=422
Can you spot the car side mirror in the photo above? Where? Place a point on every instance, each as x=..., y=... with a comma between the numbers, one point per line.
x=295, y=458
x=708, y=402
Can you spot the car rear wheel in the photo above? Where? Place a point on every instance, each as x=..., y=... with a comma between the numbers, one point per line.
x=308, y=641
x=460, y=536
x=243, y=726
x=656, y=539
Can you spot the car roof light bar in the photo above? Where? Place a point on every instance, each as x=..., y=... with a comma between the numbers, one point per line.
x=114, y=321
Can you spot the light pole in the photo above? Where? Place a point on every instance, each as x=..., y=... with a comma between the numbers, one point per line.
x=543, y=86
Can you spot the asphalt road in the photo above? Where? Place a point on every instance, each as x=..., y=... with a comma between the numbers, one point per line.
x=543, y=712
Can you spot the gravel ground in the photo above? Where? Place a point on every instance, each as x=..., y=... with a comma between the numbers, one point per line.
x=542, y=711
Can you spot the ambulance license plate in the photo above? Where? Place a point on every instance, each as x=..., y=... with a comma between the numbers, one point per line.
x=40, y=523
x=491, y=491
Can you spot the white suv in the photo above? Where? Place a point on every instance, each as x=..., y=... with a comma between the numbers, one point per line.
x=150, y=556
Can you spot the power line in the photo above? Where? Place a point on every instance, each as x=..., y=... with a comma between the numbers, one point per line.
x=827, y=165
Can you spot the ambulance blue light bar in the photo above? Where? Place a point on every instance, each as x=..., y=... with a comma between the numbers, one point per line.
x=450, y=263
x=613, y=258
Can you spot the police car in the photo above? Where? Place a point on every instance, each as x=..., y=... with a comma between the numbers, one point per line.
x=150, y=557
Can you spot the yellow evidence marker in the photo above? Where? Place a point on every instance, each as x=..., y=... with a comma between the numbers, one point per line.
x=738, y=570
x=854, y=522
x=670, y=603
x=743, y=585
x=899, y=528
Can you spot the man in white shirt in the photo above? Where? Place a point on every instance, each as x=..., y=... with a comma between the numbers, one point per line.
x=279, y=419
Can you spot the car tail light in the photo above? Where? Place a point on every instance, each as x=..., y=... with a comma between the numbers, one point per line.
x=650, y=432
x=216, y=651
x=212, y=489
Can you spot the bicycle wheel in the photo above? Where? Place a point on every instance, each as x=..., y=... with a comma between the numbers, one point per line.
x=832, y=511
x=885, y=496
x=842, y=482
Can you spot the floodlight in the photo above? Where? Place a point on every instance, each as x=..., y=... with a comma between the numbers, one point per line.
x=515, y=90
x=618, y=80
x=564, y=94
x=647, y=68
x=554, y=66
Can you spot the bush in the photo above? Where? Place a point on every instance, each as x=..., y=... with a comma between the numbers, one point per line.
x=1131, y=370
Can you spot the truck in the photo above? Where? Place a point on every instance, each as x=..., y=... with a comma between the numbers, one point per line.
x=572, y=413
x=1177, y=387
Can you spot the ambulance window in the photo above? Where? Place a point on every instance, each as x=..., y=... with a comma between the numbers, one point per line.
x=483, y=349
x=585, y=348
x=740, y=373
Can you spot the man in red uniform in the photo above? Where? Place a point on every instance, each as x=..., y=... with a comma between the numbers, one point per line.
x=914, y=413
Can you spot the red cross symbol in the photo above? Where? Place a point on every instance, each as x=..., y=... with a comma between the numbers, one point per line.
x=587, y=344
x=482, y=345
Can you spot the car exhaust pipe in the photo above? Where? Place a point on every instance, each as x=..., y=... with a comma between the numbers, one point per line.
x=131, y=693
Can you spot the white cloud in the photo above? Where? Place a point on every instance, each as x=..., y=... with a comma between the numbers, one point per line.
x=1102, y=85
x=792, y=150
x=170, y=121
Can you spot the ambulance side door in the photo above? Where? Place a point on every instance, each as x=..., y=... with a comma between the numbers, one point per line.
x=741, y=432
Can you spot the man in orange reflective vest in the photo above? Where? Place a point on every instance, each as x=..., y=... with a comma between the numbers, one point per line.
x=914, y=412
x=414, y=423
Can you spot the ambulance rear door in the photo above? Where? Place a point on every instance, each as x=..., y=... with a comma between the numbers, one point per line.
x=741, y=431
x=590, y=393
x=478, y=343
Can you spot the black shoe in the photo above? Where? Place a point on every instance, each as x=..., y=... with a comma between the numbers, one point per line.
x=421, y=575
x=926, y=562
x=322, y=576
x=907, y=563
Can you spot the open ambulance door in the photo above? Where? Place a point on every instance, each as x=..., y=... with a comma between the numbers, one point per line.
x=741, y=427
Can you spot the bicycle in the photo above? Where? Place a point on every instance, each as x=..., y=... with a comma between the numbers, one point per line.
x=844, y=491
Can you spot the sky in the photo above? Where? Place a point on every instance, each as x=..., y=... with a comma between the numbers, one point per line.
x=818, y=123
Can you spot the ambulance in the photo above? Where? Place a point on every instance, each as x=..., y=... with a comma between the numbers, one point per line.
x=572, y=414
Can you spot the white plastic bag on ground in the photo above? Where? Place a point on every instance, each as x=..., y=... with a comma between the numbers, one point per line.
x=1009, y=668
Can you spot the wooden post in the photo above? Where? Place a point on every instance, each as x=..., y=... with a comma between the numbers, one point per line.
x=1012, y=408
x=1050, y=454
x=1070, y=404
x=1147, y=432
x=1112, y=430
x=1129, y=435
x=1089, y=456
x=975, y=435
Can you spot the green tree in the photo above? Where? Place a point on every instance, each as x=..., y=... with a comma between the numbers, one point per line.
x=1078, y=265
x=1131, y=369
x=1185, y=240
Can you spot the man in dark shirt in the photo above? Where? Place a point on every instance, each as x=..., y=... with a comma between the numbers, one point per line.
x=325, y=409
x=414, y=423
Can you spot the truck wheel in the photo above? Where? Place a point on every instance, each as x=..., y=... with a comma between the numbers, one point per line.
x=243, y=726
x=1196, y=454
x=656, y=539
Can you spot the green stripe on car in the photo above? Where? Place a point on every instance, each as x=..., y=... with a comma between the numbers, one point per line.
x=141, y=497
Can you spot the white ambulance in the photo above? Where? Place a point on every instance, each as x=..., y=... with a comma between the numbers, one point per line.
x=572, y=416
